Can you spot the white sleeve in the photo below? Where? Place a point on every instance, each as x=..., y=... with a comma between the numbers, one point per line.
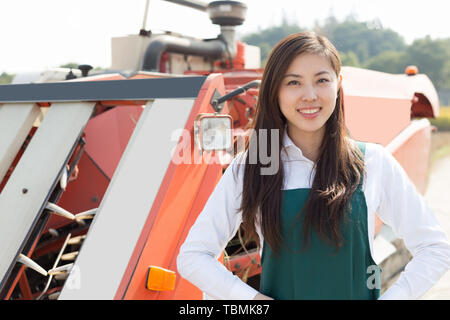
x=215, y=226
x=403, y=208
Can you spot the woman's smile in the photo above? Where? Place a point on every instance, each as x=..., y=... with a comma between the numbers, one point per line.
x=309, y=112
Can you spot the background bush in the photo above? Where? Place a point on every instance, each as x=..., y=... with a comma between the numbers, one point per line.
x=443, y=121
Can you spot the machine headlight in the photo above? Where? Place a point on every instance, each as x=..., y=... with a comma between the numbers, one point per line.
x=213, y=132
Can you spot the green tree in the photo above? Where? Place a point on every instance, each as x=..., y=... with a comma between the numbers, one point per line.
x=6, y=78
x=365, y=39
x=432, y=58
x=446, y=74
x=72, y=65
x=369, y=45
x=349, y=59
x=266, y=39
x=387, y=61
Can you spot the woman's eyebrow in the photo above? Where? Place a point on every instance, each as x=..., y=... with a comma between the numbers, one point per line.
x=299, y=76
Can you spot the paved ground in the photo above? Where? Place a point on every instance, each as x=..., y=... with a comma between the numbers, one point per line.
x=437, y=196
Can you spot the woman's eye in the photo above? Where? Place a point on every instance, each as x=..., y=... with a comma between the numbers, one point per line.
x=293, y=82
x=323, y=80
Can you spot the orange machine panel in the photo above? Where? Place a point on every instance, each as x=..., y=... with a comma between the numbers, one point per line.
x=160, y=237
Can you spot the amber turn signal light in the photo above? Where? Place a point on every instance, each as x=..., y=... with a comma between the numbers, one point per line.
x=160, y=279
x=411, y=70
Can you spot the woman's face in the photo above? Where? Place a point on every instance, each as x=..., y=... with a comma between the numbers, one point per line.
x=308, y=92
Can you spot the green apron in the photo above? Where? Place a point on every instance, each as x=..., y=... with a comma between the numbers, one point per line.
x=320, y=272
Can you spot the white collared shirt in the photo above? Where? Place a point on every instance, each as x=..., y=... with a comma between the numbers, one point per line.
x=388, y=192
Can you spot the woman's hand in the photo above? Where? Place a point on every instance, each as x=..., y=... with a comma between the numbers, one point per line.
x=260, y=296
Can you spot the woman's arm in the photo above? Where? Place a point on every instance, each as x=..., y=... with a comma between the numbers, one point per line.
x=214, y=228
x=403, y=208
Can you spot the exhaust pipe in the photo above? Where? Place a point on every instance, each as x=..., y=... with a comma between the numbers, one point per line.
x=227, y=14
x=214, y=49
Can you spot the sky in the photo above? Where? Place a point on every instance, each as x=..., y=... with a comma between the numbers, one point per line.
x=40, y=34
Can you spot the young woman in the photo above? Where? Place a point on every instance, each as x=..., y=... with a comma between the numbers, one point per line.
x=314, y=216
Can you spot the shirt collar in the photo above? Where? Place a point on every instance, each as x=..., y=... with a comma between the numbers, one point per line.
x=290, y=150
x=287, y=142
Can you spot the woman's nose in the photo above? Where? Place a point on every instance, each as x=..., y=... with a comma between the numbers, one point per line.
x=309, y=93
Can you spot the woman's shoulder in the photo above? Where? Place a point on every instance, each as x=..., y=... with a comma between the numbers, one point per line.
x=371, y=150
x=376, y=158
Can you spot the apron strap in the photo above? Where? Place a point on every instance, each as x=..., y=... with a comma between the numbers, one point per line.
x=361, y=146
